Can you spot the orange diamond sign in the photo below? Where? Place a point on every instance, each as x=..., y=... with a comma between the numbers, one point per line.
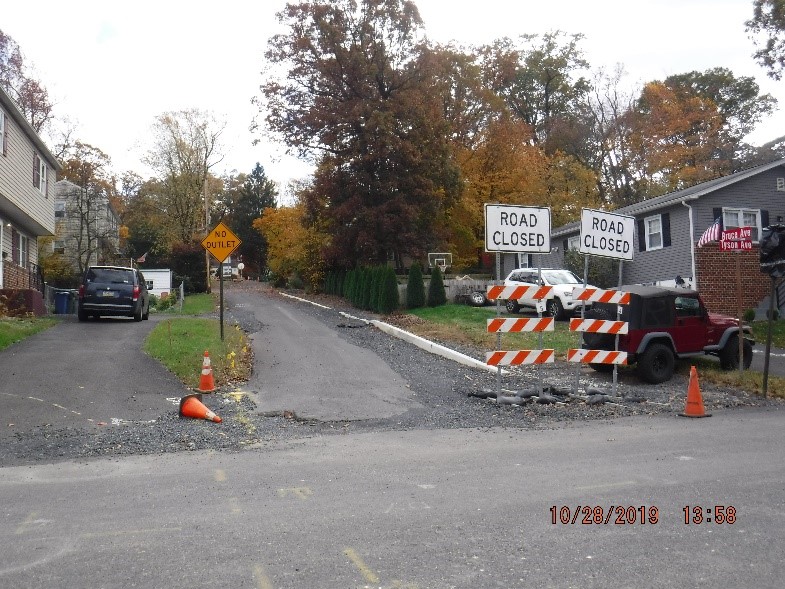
x=221, y=242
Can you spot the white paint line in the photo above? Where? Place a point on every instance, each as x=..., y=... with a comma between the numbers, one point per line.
x=303, y=300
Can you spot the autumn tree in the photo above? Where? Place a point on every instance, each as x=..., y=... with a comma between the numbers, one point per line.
x=676, y=140
x=186, y=146
x=30, y=95
x=357, y=97
x=293, y=247
x=767, y=28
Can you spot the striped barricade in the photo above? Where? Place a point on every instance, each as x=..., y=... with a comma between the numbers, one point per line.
x=596, y=356
x=515, y=358
x=598, y=295
x=519, y=292
x=536, y=324
x=599, y=326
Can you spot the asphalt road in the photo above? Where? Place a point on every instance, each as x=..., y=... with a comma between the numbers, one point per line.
x=416, y=509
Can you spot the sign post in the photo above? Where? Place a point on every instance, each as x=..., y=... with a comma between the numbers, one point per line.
x=516, y=229
x=221, y=242
x=738, y=239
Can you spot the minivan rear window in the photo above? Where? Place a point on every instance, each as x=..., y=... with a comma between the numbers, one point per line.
x=110, y=275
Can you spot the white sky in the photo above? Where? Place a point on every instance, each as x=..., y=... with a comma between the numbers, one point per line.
x=112, y=66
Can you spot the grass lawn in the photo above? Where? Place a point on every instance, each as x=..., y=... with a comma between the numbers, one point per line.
x=462, y=323
x=13, y=329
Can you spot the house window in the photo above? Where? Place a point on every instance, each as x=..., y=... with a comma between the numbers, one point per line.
x=60, y=209
x=39, y=174
x=653, y=227
x=3, y=135
x=149, y=284
x=732, y=218
x=19, y=248
x=58, y=246
x=781, y=184
x=574, y=243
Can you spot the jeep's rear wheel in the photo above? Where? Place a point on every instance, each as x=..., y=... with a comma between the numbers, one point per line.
x=656, y=364
x=512, y=306
x=729, y=355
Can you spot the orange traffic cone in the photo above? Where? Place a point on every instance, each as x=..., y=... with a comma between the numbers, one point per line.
x=192, y=406
x=206, y=383
x=694, y=405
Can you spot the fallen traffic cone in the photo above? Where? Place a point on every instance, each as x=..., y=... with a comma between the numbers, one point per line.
x=694, y=405
x=192, y=406
x=206, y=383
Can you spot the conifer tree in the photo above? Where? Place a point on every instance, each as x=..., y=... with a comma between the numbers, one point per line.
x=436, y=294
x=415, y=289
x=388, y=291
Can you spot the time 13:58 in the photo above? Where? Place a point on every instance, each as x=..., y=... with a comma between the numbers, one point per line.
x=718, y=514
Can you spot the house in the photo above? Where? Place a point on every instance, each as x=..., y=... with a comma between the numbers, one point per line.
x=28, y=171
x=159, y=281
x=668, y=228
x=87, y=226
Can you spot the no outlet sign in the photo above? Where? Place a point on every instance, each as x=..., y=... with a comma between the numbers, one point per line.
x=607, y=234
x=511, y=228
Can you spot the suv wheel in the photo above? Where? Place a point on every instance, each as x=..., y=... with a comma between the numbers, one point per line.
x=512, y=306
x=554, y=308
x=729, y=355
x=656, y=364
x=81, y=314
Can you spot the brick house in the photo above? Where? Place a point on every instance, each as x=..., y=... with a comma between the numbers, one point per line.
x=668, y=228
x=28, y=171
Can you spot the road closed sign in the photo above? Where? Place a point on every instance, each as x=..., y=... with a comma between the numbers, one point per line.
x=607, y=234
x=511, y=228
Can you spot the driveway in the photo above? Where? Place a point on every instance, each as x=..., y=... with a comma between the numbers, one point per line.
x=83, y=375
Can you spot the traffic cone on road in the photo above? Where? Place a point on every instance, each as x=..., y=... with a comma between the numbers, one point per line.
x=192, y=406
x=694, y=404
x=206, y=382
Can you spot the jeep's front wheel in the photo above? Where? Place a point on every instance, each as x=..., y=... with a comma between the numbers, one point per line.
x=729, y=355
x=656, y=364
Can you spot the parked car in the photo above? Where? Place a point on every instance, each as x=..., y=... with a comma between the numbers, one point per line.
x=665, y=324
x=113, y=290
x=560, y=304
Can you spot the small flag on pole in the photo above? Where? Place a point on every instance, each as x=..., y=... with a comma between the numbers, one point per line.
x=711, y=234
x=142, y=258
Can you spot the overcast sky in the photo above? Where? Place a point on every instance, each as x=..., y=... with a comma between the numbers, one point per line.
x=112, y=66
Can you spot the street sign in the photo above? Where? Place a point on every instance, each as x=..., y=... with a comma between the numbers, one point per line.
x=607, y=234
x=737, y=239
x=221, y=242
x=513, y=228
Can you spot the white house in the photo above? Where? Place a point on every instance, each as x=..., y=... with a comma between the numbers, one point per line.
x=159, y=281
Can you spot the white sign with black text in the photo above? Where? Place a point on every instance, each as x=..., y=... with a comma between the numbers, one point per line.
x=607, y=234
x=512, y=228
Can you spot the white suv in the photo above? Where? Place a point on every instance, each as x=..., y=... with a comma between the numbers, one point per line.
x=560, y=304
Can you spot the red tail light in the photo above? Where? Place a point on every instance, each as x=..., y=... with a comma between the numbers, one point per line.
x=81, y=291
x=136, y=292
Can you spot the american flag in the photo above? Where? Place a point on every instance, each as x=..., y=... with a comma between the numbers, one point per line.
x=713, y=233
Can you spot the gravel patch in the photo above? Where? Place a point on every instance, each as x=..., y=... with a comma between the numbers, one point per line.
x=450, y=395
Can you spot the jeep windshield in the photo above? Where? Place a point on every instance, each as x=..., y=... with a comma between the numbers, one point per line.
x=554, y=277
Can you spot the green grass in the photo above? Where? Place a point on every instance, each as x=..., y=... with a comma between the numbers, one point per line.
x=471, y=323
x=179, y=344
x=194, y=304
x=13, y=329
x=760, y=330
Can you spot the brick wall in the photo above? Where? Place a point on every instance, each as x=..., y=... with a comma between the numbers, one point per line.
x=716, y=271
x=14, y=276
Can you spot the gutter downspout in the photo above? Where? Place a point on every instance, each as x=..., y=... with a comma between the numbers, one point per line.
x=692, y=242
x=2, y=237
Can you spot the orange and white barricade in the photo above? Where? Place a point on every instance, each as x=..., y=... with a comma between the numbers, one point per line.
x=599, y=326
x=598, y=295
x=518, y=357
x=534, y=324
x=596, y=356
x=519, y=292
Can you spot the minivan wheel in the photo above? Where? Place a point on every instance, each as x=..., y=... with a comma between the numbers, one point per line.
x=81, y=314
x=138, y=314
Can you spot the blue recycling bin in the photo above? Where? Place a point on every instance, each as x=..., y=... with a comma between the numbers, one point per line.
x=62, y=300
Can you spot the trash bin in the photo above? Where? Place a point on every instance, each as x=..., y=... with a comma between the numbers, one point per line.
x=62, y=300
